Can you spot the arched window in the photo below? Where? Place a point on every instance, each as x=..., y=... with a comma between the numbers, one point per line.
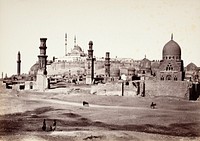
x=169, y=67
x=162, y=78
x=175, y=78
x=168, y=77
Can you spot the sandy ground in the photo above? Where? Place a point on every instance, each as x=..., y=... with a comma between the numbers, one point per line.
x=106, y=118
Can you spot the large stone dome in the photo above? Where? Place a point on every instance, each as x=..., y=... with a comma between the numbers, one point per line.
x=171, y=48
x=77, y=48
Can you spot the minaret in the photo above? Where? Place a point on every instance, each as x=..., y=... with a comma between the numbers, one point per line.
x=2, y=75
x=90, y=65
x=75, y=41
x=18, y=63
x=41, y=79
x=43, y=57
x=107, y=64
x=65, y=44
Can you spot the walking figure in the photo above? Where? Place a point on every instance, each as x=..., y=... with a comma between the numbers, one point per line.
x=44, y=125
x=54, y=125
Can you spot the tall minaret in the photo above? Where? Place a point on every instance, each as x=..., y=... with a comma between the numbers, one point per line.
x=75, y=41
x=43, y=57
x=65, y=44
x=18, y=63
x=107, y=64
x=90, y=64
x=41, y=79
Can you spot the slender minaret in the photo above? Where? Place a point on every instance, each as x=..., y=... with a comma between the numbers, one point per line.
x=75, y=41
x=43, y=57
x=90, y=65
x=107, y=64
x=18, y=63
x=2, y=75
x=65, y=44
x=42, y=82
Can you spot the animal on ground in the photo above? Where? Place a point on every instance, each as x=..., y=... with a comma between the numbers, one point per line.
x=44, y=125
x=153, y=105
x=85, y=103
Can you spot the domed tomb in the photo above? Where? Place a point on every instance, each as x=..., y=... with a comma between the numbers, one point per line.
x=191, y=67
x=145, y=64
x=171, y=50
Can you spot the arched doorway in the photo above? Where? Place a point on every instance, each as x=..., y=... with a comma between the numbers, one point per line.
x=31, y=85
x=168, y=77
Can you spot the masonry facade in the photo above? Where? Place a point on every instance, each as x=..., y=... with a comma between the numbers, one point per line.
x=171, y=66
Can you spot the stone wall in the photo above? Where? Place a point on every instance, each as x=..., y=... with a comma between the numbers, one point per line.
x=167, y=88
x=114, y=88
x=152, y=88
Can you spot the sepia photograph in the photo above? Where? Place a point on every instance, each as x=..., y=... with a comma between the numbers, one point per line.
x=100, y=70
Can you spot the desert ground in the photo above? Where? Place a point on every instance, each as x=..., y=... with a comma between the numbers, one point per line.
x=107, y=118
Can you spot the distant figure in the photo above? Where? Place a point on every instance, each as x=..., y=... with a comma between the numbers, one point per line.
x=44, y=125
x=54, y=125
x=153, y=105
x=85, y=103
x=50, y=128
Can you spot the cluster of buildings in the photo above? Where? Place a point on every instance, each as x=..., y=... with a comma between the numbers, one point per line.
x=77, y=65
x=170, y=68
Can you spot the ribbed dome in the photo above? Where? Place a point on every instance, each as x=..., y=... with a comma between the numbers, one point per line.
x=171, y=48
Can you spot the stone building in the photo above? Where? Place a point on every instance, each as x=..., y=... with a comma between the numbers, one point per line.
x=171, y=66
x=192, y=72
x=145, y=66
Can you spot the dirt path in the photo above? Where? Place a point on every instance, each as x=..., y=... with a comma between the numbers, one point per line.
x=58, y=101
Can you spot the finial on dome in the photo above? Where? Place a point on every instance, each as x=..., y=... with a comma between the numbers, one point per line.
x=145, y=56
x=172, y=36
x=90, y=43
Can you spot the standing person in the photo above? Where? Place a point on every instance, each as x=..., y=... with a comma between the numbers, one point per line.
x=54, y=125
x=44, y=125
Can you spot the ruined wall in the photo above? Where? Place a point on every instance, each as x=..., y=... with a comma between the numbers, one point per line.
x=114, y=89
x=167, y=88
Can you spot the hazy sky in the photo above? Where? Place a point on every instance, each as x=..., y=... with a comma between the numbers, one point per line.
x=125, y=28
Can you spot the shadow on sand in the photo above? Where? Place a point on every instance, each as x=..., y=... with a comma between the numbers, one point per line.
x=30, y=121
